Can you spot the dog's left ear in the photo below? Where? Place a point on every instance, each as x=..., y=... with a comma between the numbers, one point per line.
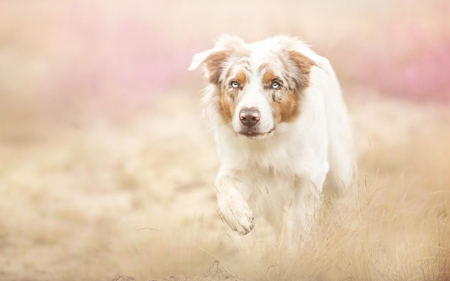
x=303, y=65
x=304, y=61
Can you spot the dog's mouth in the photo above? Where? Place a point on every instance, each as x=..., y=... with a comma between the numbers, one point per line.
x=254, y=134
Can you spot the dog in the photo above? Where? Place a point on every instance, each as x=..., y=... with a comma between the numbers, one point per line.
x=280, y=125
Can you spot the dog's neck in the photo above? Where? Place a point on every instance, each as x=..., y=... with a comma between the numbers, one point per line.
x=243, y=153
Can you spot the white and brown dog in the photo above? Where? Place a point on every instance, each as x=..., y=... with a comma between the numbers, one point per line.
x=280, y=124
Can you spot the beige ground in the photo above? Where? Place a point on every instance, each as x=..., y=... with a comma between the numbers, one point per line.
x=107, y=199
x=106, y=171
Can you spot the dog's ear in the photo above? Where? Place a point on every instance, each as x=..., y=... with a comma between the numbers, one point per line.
x=214, y=61
x=324, y=64
x=303, y=65
x=199, y=58
x=306, y=57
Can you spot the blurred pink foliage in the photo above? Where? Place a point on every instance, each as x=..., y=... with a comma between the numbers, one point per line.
x=97, y=55
x=120, y=58
x=406, y=62
x=127, y=59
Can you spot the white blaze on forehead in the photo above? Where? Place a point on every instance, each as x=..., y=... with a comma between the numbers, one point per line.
x=268, y=48
x=254, y=95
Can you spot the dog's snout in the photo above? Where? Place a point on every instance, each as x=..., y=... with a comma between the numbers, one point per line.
x=249, y=116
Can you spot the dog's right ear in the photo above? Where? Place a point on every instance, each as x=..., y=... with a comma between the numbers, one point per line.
x=214, y=61
x=199, y=58
x=216, y=58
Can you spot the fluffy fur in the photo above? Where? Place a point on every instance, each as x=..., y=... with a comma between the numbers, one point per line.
x=302, y=133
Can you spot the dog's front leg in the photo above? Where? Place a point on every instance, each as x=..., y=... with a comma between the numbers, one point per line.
x=306, y=201
x=232, y=196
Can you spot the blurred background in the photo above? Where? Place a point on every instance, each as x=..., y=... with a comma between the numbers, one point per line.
x=106, y=166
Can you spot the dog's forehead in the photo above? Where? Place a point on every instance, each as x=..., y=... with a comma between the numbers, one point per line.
x=278, y=55
x=257, y=61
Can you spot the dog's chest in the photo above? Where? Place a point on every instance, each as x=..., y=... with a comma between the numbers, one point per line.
x=268, y=183
x=272, y=158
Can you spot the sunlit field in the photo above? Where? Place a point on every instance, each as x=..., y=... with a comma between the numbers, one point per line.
x=107, y=167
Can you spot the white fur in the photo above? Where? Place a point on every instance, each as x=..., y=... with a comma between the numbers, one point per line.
x=290, y=163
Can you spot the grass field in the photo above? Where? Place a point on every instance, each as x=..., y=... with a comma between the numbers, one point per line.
x=107, y=168
x=91, y=201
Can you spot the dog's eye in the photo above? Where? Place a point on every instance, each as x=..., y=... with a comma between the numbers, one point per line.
x=275, y=85
x=234, y=84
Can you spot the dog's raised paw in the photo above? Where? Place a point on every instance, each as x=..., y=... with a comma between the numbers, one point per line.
x=238, y=216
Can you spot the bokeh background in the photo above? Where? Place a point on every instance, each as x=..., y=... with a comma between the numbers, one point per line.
x=107, y=168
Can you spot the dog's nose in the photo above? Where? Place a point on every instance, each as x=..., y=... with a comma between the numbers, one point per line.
x=249, y=116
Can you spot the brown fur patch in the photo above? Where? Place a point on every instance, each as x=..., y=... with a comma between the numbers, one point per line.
x=286, y=109
x=214, y=64
x=304, y=64
x=226, y=106
x=286, y=104
x=241, y=78
x=268, y=77
x=228, y=95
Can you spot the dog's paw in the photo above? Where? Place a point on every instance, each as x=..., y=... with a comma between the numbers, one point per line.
x=237, y=215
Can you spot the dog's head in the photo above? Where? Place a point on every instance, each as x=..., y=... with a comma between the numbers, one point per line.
x=257, y=86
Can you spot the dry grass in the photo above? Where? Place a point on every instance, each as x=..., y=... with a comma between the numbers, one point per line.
x=136, y=199
x=393, y=224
